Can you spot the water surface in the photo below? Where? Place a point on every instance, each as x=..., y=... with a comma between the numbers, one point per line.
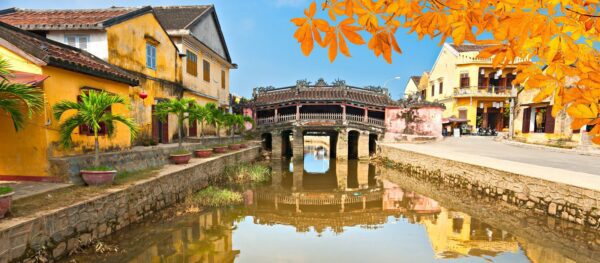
x=323, y=210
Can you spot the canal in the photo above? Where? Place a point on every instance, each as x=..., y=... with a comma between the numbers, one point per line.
x=326, y=210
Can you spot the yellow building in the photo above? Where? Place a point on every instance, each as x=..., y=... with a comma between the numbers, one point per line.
x=62, y=72
x=130, y=38
x=534, y=123
x=475, y=94
x=205, y=72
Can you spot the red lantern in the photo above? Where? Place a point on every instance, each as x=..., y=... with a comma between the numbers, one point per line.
x=143, y=94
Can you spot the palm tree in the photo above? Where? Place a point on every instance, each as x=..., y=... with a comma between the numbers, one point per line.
x=92, y=111
x=200, y=114
x=216, y=117
x=16, y=97
x=181, y=109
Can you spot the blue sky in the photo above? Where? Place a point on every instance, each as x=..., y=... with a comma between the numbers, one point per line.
x=259, y=38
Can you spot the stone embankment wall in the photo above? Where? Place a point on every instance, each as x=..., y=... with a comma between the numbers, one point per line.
x=578, y=205
x=65, y=229
x=545, y=238
x=139, y=158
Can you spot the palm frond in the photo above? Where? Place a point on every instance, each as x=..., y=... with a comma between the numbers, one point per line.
x=15, y=97
x=67, y=127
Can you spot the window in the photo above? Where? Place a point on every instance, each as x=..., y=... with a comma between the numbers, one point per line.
x=538, y=120
x=191, y=63
x=223, y=79
x=464, y=80
x=206, y=68
x=441, y=87
x=78, y=41
x=423, y=94
x=432, y=90
x=462, y=114
x=150, y=56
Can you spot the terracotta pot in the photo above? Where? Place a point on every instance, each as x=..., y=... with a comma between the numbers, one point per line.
x=5, y=203
x=98, y=177
x=243, y=145
x=203, y=153
x=220, y=149
x=181, y=158
x=234, y=147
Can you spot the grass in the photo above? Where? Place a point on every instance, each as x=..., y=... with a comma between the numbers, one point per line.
x=244, y=173
x=180, y=152
x=5, y=190
x=101, y=168
x=214, y=197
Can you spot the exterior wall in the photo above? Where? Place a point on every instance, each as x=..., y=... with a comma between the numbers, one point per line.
x=62, y=230
x=563, y=134
x=412, y=123
x=206, y=31
x=97, y=44
x=28, y=150
x=127, y=49
x=411, y=88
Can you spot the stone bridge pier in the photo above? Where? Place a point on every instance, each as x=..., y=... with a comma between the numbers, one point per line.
x=345, y=143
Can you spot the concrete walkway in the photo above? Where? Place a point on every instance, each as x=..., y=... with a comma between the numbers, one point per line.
x=566, y=168
x=25, y=189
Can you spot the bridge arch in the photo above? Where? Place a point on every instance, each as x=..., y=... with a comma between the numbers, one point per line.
x=266, y=141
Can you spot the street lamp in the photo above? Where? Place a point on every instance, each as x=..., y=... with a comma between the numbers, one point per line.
x=386, y=82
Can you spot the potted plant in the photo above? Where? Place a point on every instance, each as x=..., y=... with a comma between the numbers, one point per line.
x=181, y=108
x=6, y=193
x=93, y=112
x=203, y=152
x=220, y=149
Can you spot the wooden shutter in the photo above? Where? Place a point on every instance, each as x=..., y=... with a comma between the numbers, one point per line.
x=206, y=70
x=526, y=120
x=155, y=126
x=550, y=121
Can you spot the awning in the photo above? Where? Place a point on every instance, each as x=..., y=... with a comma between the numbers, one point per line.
x=454, y=120
x=26, y=78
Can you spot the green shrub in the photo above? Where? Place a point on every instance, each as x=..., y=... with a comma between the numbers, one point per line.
x=214, y=197
x=255, y=173
x=180, y=152
x=5, y=190
x=101, y=168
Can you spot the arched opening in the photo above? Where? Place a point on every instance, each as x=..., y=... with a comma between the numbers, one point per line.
x=372, y=144
x=267, y=141
x=353, y=144
x=286, y=144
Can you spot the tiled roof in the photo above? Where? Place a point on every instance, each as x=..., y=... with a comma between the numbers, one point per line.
x=61, y=55
x=351, y=94
x=47, y=19
x=469, y=47
x=416, y=79
x=179, y=17
x=26, y=78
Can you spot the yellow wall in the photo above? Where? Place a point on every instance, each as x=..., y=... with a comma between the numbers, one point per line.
x=127, y=49
x=26, y=152
x=213, y=87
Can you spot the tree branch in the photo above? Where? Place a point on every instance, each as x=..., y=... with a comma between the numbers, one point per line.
x=582, y=14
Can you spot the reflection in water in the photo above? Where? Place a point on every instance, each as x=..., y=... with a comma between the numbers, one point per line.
x=330, y=211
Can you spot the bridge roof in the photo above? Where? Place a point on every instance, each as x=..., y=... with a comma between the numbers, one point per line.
x=367, y=96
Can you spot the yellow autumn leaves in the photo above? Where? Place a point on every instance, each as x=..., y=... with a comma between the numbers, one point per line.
x=552, y=41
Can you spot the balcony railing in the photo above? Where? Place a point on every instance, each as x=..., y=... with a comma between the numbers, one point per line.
x=489, y=91
x=320, y=116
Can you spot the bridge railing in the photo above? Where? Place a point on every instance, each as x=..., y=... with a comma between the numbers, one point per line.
x=355, y=118
x=320, y=116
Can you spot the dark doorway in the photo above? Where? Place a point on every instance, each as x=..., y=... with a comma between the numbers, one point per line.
x=193, y=130
x=353, y=144
x=267, y=141
x=286, y=144
x=372, y=144
x=160, y=128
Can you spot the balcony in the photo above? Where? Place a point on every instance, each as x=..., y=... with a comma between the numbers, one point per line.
x=320, y=116
x=487, y=91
